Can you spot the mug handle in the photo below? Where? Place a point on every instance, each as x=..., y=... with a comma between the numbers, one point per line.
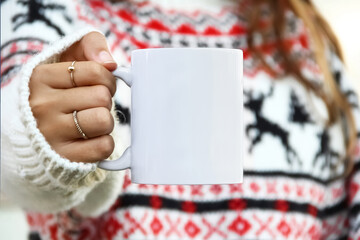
x=124, y=161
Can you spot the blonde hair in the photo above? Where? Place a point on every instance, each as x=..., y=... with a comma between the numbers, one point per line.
x=322, y=38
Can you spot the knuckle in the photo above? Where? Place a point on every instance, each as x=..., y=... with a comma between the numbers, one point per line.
x=104, y=119
x=38, y=107
x=103, y=96
x=35, y=74
x=96, y=70
x=86, y=39
x=37, y=71
x=41, y=105
x=112, y=84
x=109, y=127
x=92, y=35
x=106, y=146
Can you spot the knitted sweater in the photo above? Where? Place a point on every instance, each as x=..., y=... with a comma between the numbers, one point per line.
x=293, y=186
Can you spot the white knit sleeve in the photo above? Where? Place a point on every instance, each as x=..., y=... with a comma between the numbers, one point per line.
x=33, y=174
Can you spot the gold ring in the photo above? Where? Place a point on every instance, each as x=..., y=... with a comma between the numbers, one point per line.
x=71, y=70
x=78, y=125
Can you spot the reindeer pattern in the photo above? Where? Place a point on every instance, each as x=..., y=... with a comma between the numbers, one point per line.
x=321, y=155
x=330, y=157
x=263, y=126
x=35, y=11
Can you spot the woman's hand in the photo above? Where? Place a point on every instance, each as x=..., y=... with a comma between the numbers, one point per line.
x=53, y=99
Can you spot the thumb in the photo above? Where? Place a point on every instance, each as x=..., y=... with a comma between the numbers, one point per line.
x=92, y=47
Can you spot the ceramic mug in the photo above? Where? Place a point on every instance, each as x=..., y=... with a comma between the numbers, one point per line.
x=186, y=116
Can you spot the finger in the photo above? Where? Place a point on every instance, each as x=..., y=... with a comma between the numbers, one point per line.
x=90, y=150
x=86, y=73
x=93, y=122
x=82, y=98
x=92, y=47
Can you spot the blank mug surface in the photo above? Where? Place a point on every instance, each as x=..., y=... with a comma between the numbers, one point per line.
x=186, y=121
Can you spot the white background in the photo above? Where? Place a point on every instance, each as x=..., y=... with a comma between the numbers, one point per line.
x=344, y=17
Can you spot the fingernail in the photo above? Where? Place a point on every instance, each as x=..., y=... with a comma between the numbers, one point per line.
x=105, y=57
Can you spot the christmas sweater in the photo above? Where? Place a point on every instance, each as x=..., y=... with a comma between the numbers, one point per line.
x=293, y=188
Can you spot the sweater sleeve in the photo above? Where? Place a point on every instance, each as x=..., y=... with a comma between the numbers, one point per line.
x=33, y=174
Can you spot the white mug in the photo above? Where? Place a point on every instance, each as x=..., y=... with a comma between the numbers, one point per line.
x=186, y=116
